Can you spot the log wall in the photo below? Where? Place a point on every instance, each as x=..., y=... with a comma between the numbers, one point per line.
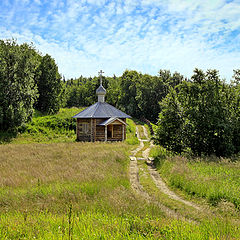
x=82, y=134
x=97, y=133
x=100, y=133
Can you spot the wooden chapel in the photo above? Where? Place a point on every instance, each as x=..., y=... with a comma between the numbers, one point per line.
x=101, y=121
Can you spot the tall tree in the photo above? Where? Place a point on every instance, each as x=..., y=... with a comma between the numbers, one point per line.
x=235, y=88
x=114, y=91
x=49, y=86
x=128, y=101
x=170, y=123
x=204, y=114
x=18, y=91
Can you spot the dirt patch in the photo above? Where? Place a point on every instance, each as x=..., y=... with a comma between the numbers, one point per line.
x=160, y=184
x=145, y=132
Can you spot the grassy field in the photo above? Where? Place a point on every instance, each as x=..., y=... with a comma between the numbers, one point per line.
x=59, y=127
x=216, y=180
x=56, y=188
x=50, y=180
x=82, y=191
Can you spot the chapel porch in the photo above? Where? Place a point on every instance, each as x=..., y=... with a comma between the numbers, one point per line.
x=111, y=129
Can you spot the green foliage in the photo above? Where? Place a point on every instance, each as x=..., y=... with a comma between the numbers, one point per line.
x=113, y=95
x=130, y=92
x=82, y=91
x=18, y=91
x=27, y=80
x=154, y=127
x=149, y=90
x=159, y=154
x=201, y=115
x=235, y=113
x=49, y=86
x=59, y=127
x=128, y=102
x=169, y=131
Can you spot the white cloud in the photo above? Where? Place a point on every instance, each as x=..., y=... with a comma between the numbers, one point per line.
x=84, y=36
x=38, y=2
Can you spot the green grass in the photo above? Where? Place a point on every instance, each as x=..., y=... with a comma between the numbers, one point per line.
x=58, y=127
x=46, y=173
x=178, y=207
x=99, y=225
x=49, y=177
x=74, y=190
x=131, y=133
x=159, y=153
x=210, y=180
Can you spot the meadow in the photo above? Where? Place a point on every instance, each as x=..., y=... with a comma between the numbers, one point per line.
x=67, y=191
x=59, y=127
x=56, y=188
x=217, y=180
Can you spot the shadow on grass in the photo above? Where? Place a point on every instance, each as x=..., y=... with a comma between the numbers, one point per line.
x=7, y=136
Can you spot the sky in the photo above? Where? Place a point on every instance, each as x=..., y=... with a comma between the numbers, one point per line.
x=84, y=36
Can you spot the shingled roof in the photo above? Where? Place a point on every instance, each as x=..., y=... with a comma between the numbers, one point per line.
x=101, y=110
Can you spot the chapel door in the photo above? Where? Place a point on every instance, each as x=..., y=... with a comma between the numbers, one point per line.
x=109, y=131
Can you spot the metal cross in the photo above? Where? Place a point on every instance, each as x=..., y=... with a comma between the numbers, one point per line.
x=100, y=74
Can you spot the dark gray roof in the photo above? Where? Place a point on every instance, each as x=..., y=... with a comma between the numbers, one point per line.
x=101, y=90
x=101, y=110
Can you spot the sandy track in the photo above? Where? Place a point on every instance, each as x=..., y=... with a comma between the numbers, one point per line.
x=160, y=184
x=138, y=188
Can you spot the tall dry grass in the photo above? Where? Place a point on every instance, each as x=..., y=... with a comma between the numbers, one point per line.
x=23, y=165
x=82, y=191
x=49, y=177
x=212, y=179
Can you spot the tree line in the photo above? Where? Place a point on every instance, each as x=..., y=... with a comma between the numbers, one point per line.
x=200, y=114
x=134, y=93
x=28, y=81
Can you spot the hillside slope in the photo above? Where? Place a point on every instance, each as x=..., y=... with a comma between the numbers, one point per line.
x=82, y=191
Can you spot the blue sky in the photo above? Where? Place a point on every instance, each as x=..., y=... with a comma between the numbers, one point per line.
x=144, y=35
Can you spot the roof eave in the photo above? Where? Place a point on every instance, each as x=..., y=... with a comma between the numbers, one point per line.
x=107, y=122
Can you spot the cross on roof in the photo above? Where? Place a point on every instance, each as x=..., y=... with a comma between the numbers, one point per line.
x=100, y=74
